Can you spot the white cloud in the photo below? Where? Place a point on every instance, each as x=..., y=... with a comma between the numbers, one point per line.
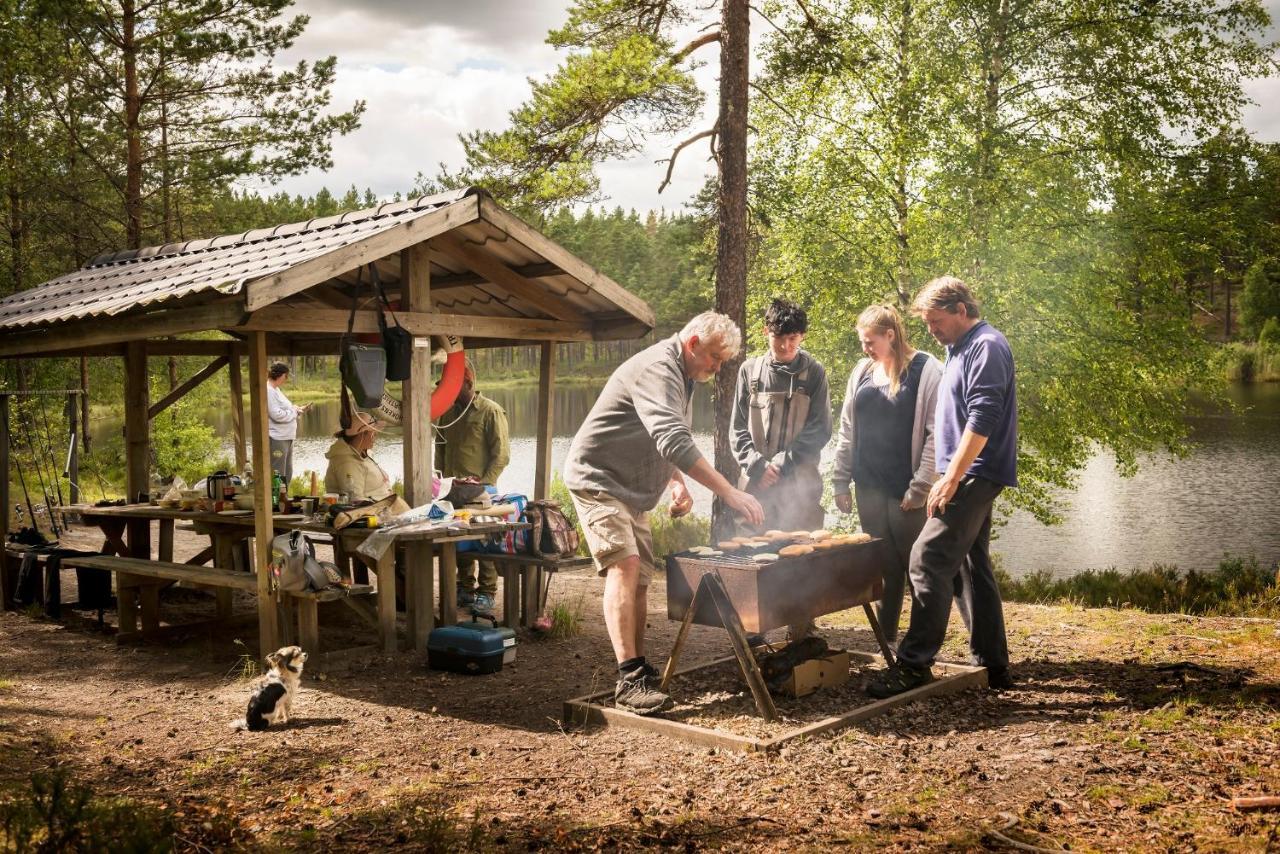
x=432, y=70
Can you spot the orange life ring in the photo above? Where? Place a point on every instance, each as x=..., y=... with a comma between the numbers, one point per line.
x=450, y=384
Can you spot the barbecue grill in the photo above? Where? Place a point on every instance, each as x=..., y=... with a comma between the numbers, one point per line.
x=743, y=595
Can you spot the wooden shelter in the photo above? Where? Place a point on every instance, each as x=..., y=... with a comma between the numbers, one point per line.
x=457, y=262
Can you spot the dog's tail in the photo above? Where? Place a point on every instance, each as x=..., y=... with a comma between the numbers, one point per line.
x=239, y=724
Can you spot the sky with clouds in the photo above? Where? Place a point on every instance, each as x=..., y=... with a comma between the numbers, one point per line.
x=432, y=69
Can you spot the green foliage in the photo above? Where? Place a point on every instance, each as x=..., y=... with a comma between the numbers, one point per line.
x=566, y=619
x=183, y=445
x=1260, y=301
x=56, y=814
x=1269, y=337
x=1239, y=586
x=676, y=535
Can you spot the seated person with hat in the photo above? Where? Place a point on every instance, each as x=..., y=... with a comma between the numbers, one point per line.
x=352, y=470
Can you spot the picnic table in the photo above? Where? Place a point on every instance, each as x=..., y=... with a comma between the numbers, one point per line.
x=231, y=564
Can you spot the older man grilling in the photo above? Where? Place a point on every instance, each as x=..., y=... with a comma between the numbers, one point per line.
x=636, y=443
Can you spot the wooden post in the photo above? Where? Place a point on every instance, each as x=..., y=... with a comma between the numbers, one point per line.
x=237, y=410
x=137, y=439
x=419, y=445
x=546, y=418
x=268, y=623
x=4, y=470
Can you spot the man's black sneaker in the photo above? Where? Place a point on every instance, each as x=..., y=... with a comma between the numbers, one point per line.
x=1000, y=679
x=898, y=679
x=638, y=692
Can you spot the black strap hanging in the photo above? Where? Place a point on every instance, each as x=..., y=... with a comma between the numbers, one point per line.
x=396, y=340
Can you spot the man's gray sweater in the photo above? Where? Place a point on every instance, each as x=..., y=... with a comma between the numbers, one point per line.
x=639, y=431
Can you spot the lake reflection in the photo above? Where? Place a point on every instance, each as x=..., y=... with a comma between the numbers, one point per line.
x=1186, y=512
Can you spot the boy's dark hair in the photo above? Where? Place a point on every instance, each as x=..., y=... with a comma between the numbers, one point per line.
x=784, y=317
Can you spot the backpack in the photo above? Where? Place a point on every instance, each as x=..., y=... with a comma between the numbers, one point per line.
x=551, y=535
x=294, y=568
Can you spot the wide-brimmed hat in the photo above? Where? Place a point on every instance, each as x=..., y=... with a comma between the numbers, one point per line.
x=362, y=422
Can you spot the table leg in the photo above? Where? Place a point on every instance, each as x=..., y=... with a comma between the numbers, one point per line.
x=448, y=584
x=224, y=557
x=113, y=532
x=308, y=624
x=419, y=580
x=127, y=602
x=166, y=540
x=510, y=596
x=386, y=572
x=529, y=586
x=149, y=594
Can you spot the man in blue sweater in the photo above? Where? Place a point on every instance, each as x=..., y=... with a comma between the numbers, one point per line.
x=976, y=430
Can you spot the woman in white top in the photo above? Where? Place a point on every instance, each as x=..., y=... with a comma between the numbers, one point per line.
x=885, y=446
x=282, y=416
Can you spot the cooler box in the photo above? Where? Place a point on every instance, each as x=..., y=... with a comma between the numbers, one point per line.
x=472, y=647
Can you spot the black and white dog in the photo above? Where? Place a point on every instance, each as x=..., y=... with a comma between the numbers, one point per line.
x=272, y=699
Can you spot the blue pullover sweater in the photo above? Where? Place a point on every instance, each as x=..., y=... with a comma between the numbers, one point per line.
x=978, y=392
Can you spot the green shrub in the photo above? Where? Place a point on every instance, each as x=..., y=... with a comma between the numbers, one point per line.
x=1269, y=337
x=182, y=444
x=1239, y=586
x=1236, y=362
x=1260, y=299
x=676, y=535
x=56, y=814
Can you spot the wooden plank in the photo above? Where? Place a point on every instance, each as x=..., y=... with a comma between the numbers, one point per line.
x=137, y=437
x=420, y=323
x=567, y=261
x=263, y=292
x=577, y=712
x=268, y=619
x=419, y=583
x=546, y=418
x=386, y=572
x=165, y=550
x=498, y=273
x=81, y=335
x=236, y=388
x=510, y=595
x=539, y=270
x=530, y=584
x=181, y=391
x=183, y=347
x=308, y=625
x=953, y=679
x=139, y=568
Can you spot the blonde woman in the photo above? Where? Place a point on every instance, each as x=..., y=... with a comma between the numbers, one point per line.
x=885, y=446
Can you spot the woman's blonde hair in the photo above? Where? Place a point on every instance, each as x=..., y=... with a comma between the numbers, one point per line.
x=882, y=319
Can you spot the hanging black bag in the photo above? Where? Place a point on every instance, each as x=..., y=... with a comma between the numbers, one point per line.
x=363, y=366
x=397, y=342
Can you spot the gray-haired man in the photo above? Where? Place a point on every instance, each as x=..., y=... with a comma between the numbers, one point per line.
x=636, y=443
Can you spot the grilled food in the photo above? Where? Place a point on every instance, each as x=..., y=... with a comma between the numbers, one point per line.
x=818, y=536
x=795, y=551
x=729, y=545
x=765, y=557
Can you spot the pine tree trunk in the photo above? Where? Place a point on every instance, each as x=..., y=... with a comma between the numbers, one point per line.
x=132, y=128
x=731, y=236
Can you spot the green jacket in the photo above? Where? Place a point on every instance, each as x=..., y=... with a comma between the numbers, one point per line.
x=475, y=445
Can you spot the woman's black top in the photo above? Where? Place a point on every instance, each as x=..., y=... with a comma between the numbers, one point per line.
x=883, y=426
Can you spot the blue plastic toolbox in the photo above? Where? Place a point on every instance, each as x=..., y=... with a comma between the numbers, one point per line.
x=471, y=647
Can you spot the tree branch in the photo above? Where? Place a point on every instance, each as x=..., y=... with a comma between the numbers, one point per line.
x=671, y=163
x=701, y=41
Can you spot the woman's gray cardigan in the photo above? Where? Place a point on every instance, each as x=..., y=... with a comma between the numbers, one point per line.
x=922, y=455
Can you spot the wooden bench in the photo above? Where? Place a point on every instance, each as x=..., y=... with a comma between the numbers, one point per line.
x=526, y=582
x=148, y=576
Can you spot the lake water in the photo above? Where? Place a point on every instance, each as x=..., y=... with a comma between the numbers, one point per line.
x=1187, y=512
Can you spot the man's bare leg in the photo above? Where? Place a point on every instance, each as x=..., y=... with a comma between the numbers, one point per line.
x=641, y=617
x=624, y=598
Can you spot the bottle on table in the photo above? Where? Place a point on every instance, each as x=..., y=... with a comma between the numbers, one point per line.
x=350, y=486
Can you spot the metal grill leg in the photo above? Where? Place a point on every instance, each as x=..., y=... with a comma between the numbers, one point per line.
x=880, y=638
x=738, y=637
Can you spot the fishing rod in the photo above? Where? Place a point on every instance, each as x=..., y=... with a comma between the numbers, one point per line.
x=31, y=444
x=22, y=479
x=53, y=459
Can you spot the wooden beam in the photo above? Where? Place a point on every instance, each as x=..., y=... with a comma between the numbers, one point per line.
x=181, y=391
x=193, y=348
x=567, y=261
x=263, y=531
x=540, y=270
x=546, y=415
x=263, y=292
x=498, y=273
x=420, y=323
x=137, y=440
x=419, y=444
x=82, y=334
x=100, y=350
x=236, y=387
x=4, y=472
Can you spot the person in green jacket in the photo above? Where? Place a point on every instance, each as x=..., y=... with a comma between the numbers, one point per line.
x=472, y=440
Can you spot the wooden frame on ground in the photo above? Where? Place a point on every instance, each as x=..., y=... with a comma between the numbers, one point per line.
x=948, y=679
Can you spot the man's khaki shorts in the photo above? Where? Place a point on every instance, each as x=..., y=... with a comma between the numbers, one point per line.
x=614, y=532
